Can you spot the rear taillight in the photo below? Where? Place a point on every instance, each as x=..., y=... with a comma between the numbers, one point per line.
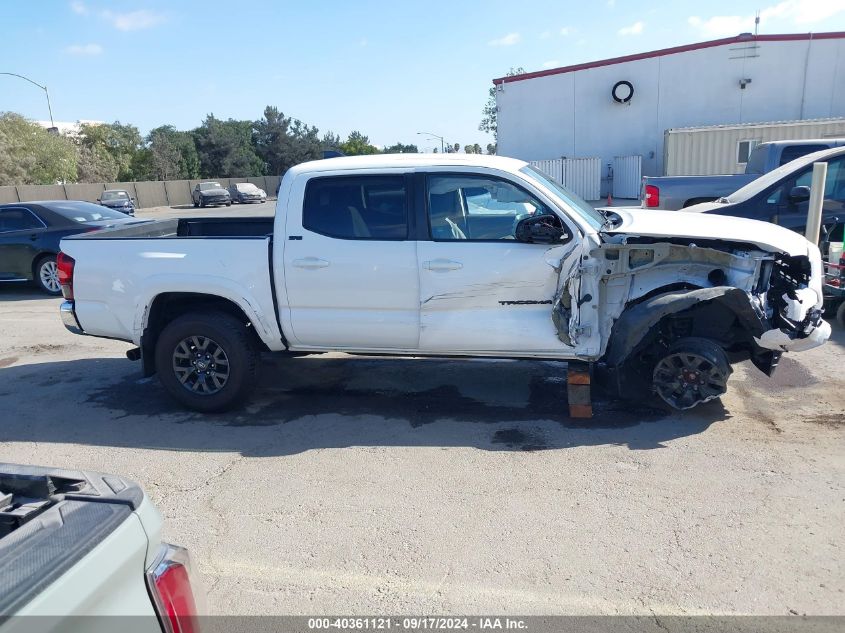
x=652, y=196
x=169, y=583
x=65, y=264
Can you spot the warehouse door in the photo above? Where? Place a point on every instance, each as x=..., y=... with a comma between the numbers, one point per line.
x=627, y=174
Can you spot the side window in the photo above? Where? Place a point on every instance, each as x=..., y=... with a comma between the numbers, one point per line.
x=797, y=151
x=18, y=220
x=477, y=207
x=834, y=184
x=357, y=207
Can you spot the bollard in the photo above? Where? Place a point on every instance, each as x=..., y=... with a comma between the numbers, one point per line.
x=814, y=211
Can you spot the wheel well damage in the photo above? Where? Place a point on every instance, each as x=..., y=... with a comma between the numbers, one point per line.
x=722, y=314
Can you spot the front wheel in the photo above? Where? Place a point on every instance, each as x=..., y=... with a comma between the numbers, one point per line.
x=47, y=275
x=207, y=361
x=840, y=315
x=693, y=370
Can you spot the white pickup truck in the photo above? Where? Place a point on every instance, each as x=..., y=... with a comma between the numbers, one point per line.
x=446, y=255
x=76, y=546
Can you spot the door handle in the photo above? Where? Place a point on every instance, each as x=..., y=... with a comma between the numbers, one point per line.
x=442, y=265
x=310, y=263
x=33, y=237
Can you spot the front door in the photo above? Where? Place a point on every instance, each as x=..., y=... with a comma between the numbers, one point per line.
x=350, y=263
x=480, y=289
x=793, y=215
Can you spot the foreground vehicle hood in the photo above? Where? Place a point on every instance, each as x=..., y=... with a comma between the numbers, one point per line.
x=769, y=237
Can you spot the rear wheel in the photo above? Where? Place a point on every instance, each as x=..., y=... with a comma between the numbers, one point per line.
x=207, y=361
x=47, y=275
x=840, y=315
x=692, y=371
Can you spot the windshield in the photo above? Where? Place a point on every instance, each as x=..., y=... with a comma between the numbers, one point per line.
x=108, y=196
x=204, y=186
x=767, y=180
x=84, y=212
x=570, y=200
x=246, y=186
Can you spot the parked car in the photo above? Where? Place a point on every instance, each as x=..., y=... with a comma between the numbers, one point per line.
x=677, y=192
x=782, y=196
x=30, y=233
x=119, y=200
x=208, y=194
x=246, y=192
x=76, y=545
x=385, y=254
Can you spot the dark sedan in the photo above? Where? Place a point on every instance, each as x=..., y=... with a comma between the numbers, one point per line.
x=119, y=200
x=208, y=194
x=782, y=196
x=30, y=233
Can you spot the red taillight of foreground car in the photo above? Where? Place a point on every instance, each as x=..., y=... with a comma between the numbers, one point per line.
x=652, y=196
x=169, y=583
x=65, y=264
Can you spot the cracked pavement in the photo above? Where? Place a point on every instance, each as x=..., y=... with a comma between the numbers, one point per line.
x=357, y=485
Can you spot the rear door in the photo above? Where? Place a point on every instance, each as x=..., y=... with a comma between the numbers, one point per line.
x=350, y=262
x=20, y=232
x=480, y=289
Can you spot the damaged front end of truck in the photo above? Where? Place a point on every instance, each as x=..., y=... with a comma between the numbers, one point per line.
x=674, y=313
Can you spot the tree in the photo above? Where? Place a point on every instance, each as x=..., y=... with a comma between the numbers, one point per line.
x=330, y=141
x=173, y=155
x=283, y=142
x=491, y=148
x=490, y=113
x=357, y=144
x=95, y=164
x=120, y=141
x=399, y=148
x=225, y=149
x=29, y=155
x=475, y=148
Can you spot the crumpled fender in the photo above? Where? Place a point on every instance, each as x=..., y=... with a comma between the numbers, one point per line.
x=633, y=325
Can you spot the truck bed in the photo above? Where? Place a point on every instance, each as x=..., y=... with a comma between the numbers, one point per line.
x=258, y=227
x=49, y=520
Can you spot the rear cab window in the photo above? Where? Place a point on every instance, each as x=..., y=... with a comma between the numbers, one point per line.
x=357, y=207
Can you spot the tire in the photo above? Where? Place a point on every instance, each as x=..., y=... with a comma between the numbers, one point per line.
x=228, y=204
x=191, y=353
x=196, y=204
x=692, y=371
x=840, y=315
x=202, y=202
x=46, y=275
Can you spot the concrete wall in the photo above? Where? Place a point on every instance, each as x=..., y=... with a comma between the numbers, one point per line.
x=573, y=114
x=155, y=193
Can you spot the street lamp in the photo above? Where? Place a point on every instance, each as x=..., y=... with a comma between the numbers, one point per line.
x=442, y=148
x=53, y=129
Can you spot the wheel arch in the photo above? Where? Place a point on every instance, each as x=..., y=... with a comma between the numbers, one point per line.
x=722, y=313
x=167, y=306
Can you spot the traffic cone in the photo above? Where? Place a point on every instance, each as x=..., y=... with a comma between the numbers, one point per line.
x=609, y=199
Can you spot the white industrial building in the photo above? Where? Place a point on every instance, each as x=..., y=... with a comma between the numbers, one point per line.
x=622, y=109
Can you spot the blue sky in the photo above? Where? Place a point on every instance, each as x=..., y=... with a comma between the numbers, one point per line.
x=388, y=69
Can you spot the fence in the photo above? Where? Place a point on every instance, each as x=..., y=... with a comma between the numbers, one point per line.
x=627, y=176
x=156, y=193
x=579, y=175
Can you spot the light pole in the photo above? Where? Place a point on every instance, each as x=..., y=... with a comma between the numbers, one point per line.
x=442, y=148
x=53, y=129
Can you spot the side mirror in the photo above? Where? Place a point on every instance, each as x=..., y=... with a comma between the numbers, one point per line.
x=799, y=194
x=540, y=229
x=98, y=200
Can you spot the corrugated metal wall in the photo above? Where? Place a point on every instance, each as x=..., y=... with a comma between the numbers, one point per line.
x=627, y=176
x=708, y=151
x=580, y=175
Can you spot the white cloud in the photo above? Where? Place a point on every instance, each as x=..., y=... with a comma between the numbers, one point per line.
x=565, y=31
x=134, y=20
x=508, y=40
x=78, y=7
x=552, y=63
x=363, y=42
x=789, y=13
x=545, y=35
x=634, y=29
x=611, y=3
x=84, y=49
